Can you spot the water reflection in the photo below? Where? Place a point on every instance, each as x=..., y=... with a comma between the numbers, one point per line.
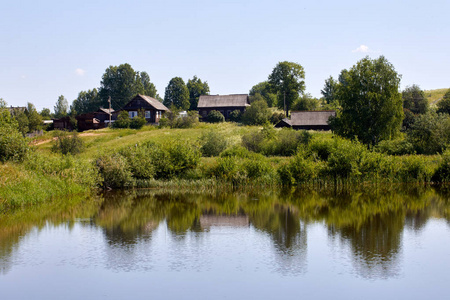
x=370, y=224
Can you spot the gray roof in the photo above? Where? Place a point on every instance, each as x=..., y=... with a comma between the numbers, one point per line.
x=210, y=101
x=308, y=118
x=153, y=102
x=105, y=110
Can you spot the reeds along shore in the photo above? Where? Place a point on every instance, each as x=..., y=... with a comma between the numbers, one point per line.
x=195, y=159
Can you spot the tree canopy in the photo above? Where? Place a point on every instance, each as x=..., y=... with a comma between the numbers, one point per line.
x=287, y=80
x=122, y=83
x=177, y=94
x=371, y=103
x=329, y=90
x=444, y=104
x=196, y=88
x=263, y=91
x=61, y=108
x=414, y=99
x=87, y=102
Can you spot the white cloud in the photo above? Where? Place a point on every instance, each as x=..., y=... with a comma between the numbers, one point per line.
x=23, y=77
x=361, y=49
x=80, y=72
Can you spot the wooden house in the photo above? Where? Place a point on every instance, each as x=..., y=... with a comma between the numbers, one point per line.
x=94, y=120
x=153, y=109
x=223, y=103
x=62, y=124
x=308, y=120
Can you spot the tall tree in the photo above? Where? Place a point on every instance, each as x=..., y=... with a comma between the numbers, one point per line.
x=61, y=108
x=122, y=83
x=444, y=104
x=196, y=88
x=177, y=94
x=87, y=102
x=34, y=118
x=287, y=80
x=329, y=90
x=414, y=99
x=371, y=103
x=264, y=90
x=46, y=114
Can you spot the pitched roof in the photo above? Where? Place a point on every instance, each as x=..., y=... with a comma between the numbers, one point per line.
x=308, y=118
x=239, y=100
x=105, y=110
x=153, y=102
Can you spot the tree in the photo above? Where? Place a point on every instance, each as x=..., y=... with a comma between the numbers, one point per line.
x=3, y=103
x=444, y=104
x=123, y=120
x=329, y=90
x=287, y=80
x=414, y=99
x=46, y=114
x=34, y=118
x=306, y=102
x=122, y=83
x=371, y=103
x=430, y=133
x=177, y=94
x=263, y=90
x=61, y=108
x=257, y=114
x=87, y=102
x=196, y=88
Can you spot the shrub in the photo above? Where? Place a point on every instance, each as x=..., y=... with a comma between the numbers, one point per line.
x=298, y=170
x=115, y=171
x=215, y=116
x=320, y=148
x=256, y=168
x=13, y=145
x=66, y=143
x=140, y=161
x=395, y=147
x=213, y=143
x=137, y=122
x=189, y=121
x=345, y=158
x=442, y=173
x=430, y=133
x=277, y=117
x=123, y=120
x=287, y=142
x=235, y=116
x=257, y=114
x=227, y=168
x=237, y=151
x=415, y=168
x=253, y=141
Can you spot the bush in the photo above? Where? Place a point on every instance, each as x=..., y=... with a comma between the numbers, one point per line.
x=321, y=148
x=257, y=114
x=344, y=160
x=442, y=173
x=66, y=143
x=236, y=151
x=137, y=122
x=235, y=116
x=395, y=147
x=227, y=168
x=189, y=121
x=415, y=168
x=298, y=170
x=13, y=145
x=277, y=117
x=215, y=116
x=213, y=143
x=256, y=168
x=140, y=161
x=253, y=141
x=430, y=133
x=287, y=142
x=123, y=120
x=115, y=171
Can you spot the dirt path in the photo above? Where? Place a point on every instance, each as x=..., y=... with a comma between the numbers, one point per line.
x=36, y=143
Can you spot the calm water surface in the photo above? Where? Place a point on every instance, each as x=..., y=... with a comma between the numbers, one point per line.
x=379, y=244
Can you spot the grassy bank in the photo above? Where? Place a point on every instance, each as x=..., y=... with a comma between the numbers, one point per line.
x=206, y=158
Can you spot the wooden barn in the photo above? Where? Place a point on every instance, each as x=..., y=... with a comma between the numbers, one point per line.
x=223, y=103
x=94, y=120
x=308, y=120
x=153, y=109
x=62, y=124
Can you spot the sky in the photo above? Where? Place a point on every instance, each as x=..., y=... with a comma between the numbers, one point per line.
x=53, y=48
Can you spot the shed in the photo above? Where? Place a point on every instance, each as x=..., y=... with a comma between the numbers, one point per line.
x=308, y=120
x=94, y=120
x=223, y=103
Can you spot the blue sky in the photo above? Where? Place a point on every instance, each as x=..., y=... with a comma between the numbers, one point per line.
x=52, y=48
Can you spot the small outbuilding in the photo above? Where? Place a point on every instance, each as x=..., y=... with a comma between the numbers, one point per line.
x=308, y=120
x=94, y=120
x=153, y=109
x=225, y=104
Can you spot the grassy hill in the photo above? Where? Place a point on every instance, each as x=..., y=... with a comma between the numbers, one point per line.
x=434, y=96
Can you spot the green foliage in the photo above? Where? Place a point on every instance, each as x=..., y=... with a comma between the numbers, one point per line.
x=235, y=116
x=408, y=120
x=344, y=161
x=444, y=104
x=288, y=81
x=34, y=118
x=46, y=114
x=137, y=122
x=227, y=168
x=114, y=171
x=257, y=114
x=298, y=170
x=87, y=101
x=442, y=173
x=66, y=143
x=22, y=121
x=236, y=151
x=414, y=99
x=256, y=168
x=196, y=88
x=215, y=116
x=329, y=90
x=173, y=119
x=276, y=117
x=321, y=149
x=213, y=143
x=61, y=108
x=7, y=120
x=415, y=168
x=122, y=83
x=13, y=145
x=371, y=104
x=262, y=91
x=253, y=141
x=140, y=160
x=177, y=94
x=395, y=147
x=123, y=120
x=430, y=133
x=306, y=102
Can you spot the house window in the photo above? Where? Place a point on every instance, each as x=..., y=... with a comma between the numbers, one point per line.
x=147, y=114
x=132, y=114
x=158, y=114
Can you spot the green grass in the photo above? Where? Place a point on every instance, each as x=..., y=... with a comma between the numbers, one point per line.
x=433, y=96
